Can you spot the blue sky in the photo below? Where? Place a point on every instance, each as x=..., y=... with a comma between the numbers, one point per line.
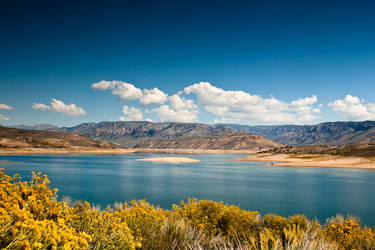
x=252, y=62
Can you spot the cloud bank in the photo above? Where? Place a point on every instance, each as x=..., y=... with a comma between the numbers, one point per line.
x=236, y=106
x=352, y=108
x=60, y=107
x=229, y=106
x=225, y=105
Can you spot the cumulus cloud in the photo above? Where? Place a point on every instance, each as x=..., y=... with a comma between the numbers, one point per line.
x=178, y=110
x=132, y=114
x=40, y=106
x=60, y=107
x=5, y=107
x=4, y=118
x=152, y=97
x=236, y=106
x=352, y=108
x=125, y=91
x=128, y=92
x=228, y=105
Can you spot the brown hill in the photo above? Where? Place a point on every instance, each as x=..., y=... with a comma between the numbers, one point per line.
x=237, y=141
x=21, y=138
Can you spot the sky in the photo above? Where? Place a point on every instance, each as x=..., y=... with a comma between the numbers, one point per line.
x=245, y=62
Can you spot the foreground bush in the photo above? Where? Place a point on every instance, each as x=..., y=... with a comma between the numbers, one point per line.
x=32, y=218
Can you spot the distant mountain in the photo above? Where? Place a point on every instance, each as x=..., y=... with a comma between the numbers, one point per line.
x=25, y=138
x=236, y=141
x=37, y=127
x=328, y=133
x=129, y=133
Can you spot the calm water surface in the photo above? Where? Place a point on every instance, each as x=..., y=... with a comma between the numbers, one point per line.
x=316, y=192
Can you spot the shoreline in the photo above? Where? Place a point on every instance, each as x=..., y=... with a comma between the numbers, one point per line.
x=66, y=151
x=312, y=160
x=113, y=151
x=192, y=151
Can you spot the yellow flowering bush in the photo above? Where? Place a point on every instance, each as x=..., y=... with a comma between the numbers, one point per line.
x=32, y=218
x=350, y=235
x=218, y=218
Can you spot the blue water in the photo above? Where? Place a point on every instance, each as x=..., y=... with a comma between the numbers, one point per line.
x=316, y=192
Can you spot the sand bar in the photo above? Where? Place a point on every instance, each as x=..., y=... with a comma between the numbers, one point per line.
x=330, y=161
x=170, y=159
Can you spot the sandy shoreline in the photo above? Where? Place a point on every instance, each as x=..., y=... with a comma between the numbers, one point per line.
x=328, y=161
x=170, y=159
x=65, y=151
x=117, y=151
x=192, y=151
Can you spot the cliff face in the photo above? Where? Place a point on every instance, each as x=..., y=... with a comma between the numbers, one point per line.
x=21, y=138
x=329, y=133
x=237, y=141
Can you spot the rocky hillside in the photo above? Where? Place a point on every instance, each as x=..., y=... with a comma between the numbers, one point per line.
x=21, y=138
x=237, y=141
x=129, y=134
x=329, y=133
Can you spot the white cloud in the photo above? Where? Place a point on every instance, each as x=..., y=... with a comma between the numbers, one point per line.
x=179, y=103
x=5, y=107
x=166, y=113
x=132, y=114
x=179, y=110
x=236, y=106
x=352, y=108
x=4, y=118
x=227, y=105
x=125, y=91
x=40, y=106
x=60, y=107
x=152, y=97
x=305, y=101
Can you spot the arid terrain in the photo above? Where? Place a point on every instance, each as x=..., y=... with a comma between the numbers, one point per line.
x=20, y=141
x=353, y=156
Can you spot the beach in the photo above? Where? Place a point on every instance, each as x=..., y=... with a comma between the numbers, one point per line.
x=312, y=160
x=65, y=151
x=104, y=151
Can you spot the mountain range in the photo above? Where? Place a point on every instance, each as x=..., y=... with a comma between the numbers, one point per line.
x=139, y=133
x=328, y=133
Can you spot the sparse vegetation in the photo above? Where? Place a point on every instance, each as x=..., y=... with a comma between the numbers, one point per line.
x=31, y=217
x=363, y=150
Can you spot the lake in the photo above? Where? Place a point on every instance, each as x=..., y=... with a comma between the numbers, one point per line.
x=316, y=192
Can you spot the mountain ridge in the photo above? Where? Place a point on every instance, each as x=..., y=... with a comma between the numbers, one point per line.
x=131, y=133
x=327, y=133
